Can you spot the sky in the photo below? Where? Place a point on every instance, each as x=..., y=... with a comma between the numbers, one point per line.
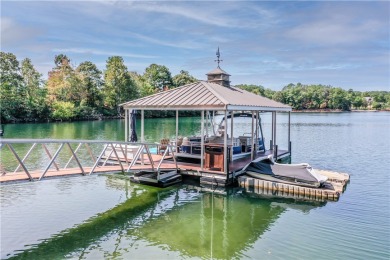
x=268, y=43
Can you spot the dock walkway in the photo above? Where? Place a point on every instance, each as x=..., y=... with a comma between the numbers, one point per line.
x=113, y=156
x=128, y=157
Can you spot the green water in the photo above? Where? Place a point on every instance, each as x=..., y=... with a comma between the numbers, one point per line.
x=155, y=129
x=107, y=217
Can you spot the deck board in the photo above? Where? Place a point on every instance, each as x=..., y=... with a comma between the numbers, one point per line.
x=21, y=175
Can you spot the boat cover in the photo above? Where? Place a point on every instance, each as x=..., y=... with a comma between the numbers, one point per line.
x=297, y=172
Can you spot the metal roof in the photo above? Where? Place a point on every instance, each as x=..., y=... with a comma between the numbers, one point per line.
x=204, y=95
x=218, y=71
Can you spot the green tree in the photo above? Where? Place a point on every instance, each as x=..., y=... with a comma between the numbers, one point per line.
x=358, y=102
x=91, y=84
x=258, y=90
x=143, y=86
x=183, y=78
x=119, y=86
x=269, y=93
x=36, y=107
x=63, y=110
x=63, y=83
x=60, y=60
x=158, y=76
x=31, y=78
x=376, y=105
x=12, y=92
x=338, y=99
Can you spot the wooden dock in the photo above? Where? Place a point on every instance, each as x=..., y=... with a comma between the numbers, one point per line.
x=21, y=176
x=114, y=157
x=126, y=157
x=331, y=191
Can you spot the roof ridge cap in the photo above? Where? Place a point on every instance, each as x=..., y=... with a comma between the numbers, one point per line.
x=209, y=87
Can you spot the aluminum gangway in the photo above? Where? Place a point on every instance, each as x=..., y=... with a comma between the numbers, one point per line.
x=35, y=159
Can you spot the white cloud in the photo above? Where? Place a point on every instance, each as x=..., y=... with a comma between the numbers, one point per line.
x=186, y=44
x=215, y=15
x=105, y=53
x=339, y=23
x=13, y=33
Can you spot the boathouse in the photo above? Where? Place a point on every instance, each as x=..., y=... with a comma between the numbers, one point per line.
x=220, y=156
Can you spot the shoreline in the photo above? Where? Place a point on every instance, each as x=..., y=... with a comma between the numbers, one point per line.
x=336, y=110
x=29, y=121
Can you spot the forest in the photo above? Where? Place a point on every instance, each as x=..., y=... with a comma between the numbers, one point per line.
x=84, y=92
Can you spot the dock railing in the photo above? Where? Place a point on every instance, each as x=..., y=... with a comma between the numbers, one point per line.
x=34, y=159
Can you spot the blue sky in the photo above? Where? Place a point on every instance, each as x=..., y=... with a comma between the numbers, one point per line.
x=343, y=44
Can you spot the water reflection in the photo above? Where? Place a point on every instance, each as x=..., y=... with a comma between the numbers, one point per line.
x=184, y=221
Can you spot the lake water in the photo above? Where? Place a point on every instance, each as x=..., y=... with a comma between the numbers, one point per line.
x=107, y=217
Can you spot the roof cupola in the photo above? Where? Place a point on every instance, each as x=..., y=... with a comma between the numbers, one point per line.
x=218, y=75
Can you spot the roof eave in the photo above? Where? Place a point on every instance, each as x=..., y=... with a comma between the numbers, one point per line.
x=258, y=108
x=180, y=108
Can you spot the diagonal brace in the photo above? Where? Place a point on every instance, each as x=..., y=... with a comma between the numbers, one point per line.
x=51, y=161
x=20, y=161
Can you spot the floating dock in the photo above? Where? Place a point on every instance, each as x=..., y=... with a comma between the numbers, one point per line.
x=332, y=189
x=153, y=168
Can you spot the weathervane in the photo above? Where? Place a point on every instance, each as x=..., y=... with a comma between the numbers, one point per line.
x=218, y=55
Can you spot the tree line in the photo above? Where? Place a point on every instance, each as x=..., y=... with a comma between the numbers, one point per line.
x=321, y=97
x=83, y=91
x=77, y=92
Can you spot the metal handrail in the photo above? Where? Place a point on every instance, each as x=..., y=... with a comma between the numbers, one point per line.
x=116, y=146
x=40, y=141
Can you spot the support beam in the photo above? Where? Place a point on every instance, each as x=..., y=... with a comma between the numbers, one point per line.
x=150, y=155
x=117, y=157
x=50, y=157
x=20, y=161
x=25, y=157
x=202, y=142
x=274, y=135
x=257, y=132
x=52, y=161
x=75, y=151
x=289, y=132
x=207, y=123
x=177, y=128
x=126, y=125
x=231, y=134
x=225, y=150
x=142, y=126
x=98, y=159
x=252, y=136
x=75, y=157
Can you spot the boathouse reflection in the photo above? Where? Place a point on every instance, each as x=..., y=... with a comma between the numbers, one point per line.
x=182, y=219
x=215, y=225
